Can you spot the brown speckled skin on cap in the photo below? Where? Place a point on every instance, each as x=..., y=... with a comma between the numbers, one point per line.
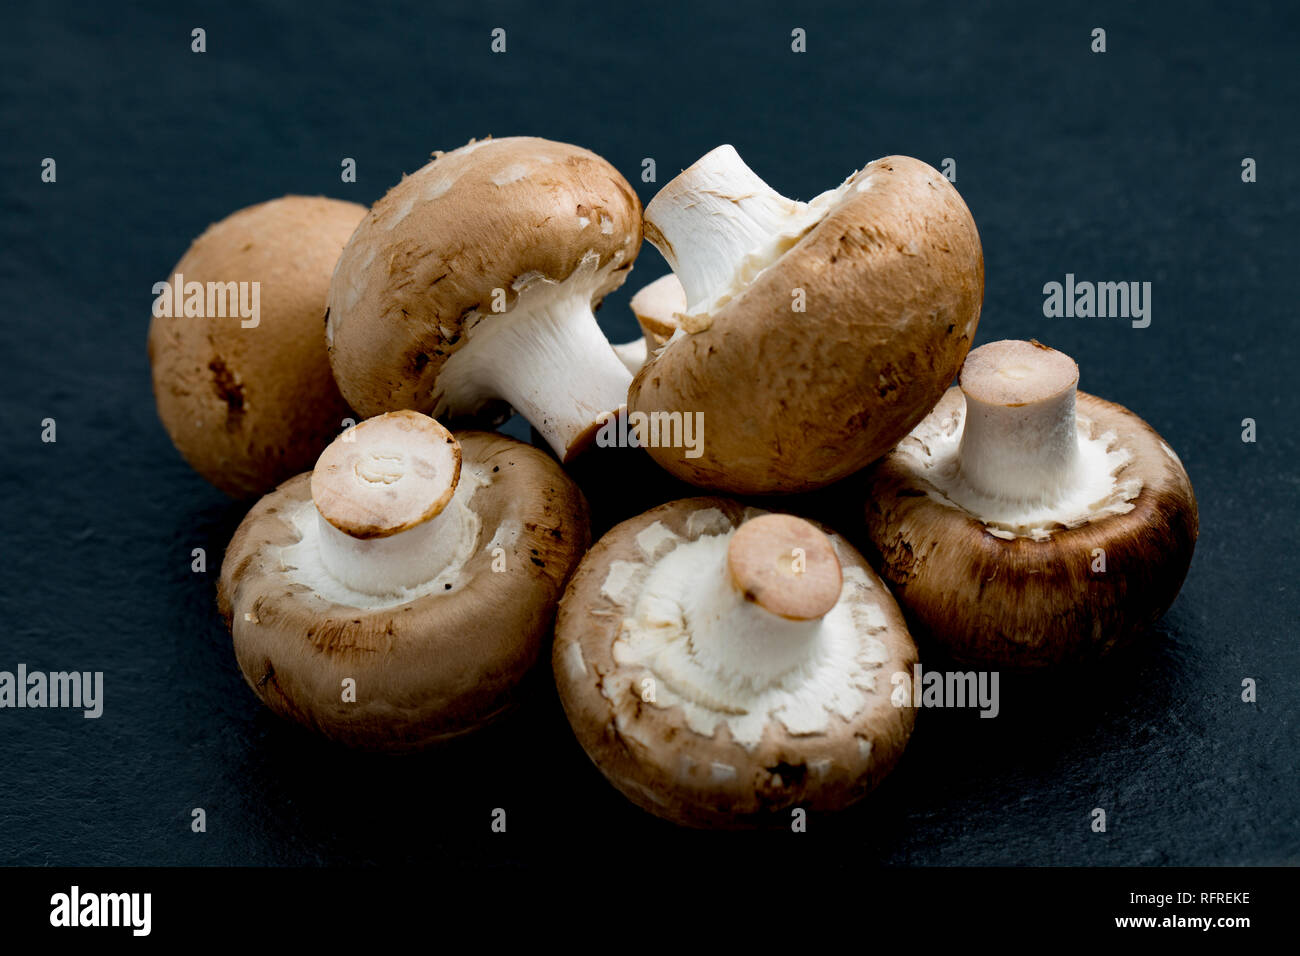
x=250, y=407
x=426, y=671
x=771, y=780
x=436, y=246
x=1027, y=604
x=792, y=401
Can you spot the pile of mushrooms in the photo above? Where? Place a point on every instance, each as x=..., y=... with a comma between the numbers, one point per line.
x=722, y=665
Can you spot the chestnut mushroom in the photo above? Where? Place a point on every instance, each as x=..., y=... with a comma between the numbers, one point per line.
x=251, y=402
x=722, y=665
x=1025, y=524
x=814, y=335
x=422, y=567
x=472, y=283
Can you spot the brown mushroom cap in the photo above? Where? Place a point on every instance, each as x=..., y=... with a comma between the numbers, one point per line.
x=1028, y=600
x=249, y=407
x=649, y=750
x=432, y=253
x=429, y=669
x=893, y=277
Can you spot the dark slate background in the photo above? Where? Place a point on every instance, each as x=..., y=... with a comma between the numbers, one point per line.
x=1122, y=166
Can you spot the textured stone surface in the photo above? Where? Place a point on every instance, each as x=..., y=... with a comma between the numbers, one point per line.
x=1123, y=166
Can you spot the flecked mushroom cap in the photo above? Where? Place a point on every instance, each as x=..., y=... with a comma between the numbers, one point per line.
x=427, y=259
x=249, y=407
x=432, y=668
x=651, y=753
x=894, y=279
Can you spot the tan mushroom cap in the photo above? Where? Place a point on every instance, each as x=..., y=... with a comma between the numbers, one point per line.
x=388, y=474
x=249, y=407
x=433, y=668
x=656, y=307
x=652, y=755
x=1021, y=603
x=437, y=248
x=893, y=280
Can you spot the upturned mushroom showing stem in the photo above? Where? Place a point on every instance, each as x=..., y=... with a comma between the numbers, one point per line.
x=1026, y=524
x=812, y=335
x=397, y=595
x=721, y=664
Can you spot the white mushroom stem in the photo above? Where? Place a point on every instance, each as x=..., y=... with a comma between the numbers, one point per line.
x=718, y=225
x=547, y=358
x=740, y=641
x=1020, y=439
x=388, y=510
x=385, y=566
x=758, y=615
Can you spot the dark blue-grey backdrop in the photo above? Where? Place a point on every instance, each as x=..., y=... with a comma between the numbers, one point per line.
x=1122, y=165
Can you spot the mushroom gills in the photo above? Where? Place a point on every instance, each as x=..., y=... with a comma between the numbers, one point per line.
x=725, y=660
x=1011, y=448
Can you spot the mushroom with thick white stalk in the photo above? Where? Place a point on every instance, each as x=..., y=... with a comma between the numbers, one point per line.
x=249, y=400
x=656, y=307
x=472, y=283
x=1024, y=523
x=815, y=335
x=397, y=595
x=722, y=665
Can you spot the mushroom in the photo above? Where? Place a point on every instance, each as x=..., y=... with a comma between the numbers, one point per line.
x=1025, y=524
x=817, y=334
x=419, y=569
x=473, y=282
x=655, y=307
x=722, y=665
x=249, y=402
